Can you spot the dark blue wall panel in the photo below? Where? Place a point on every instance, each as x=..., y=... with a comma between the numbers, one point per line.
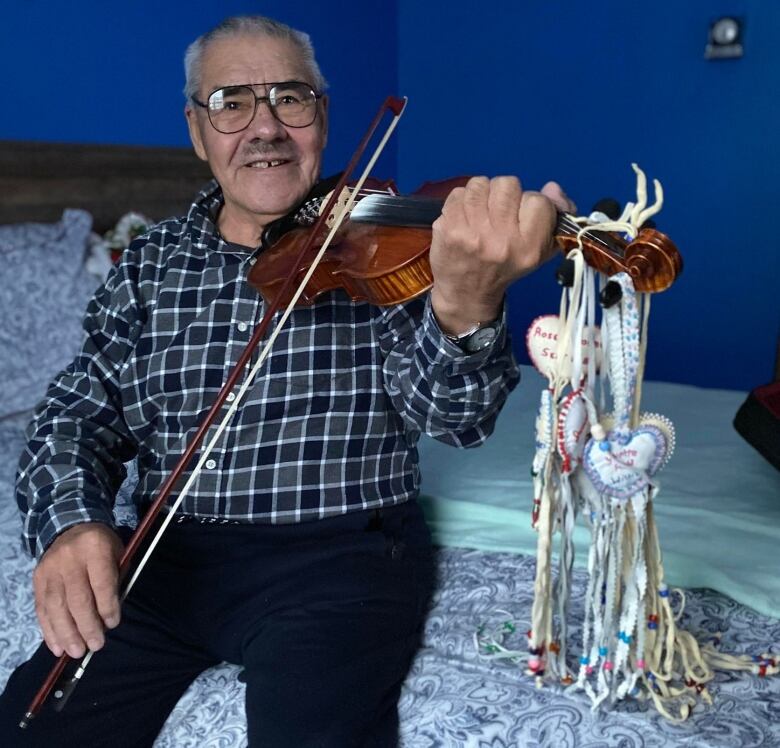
x=111, y=72
x=568, y=90
x=575, y=91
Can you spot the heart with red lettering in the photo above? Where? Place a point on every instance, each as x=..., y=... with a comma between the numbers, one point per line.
x=542, y=343
x=621, y=465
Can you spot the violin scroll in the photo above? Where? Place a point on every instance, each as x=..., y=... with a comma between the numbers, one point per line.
x=651, y=259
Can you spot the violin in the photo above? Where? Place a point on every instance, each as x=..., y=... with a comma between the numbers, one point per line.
x=380, y=252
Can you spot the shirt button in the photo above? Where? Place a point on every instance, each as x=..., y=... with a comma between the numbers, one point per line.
x=231, y=396
x=242, y=326
x=211, y=464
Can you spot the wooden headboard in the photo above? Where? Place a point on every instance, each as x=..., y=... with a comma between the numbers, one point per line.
x=39, y=180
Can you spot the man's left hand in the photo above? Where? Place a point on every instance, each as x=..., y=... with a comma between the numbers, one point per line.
x=490, y=233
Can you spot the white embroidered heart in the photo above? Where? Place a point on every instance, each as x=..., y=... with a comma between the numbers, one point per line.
x=542, y=343
x=621, y=465
x=666, y=427
x=572, y=431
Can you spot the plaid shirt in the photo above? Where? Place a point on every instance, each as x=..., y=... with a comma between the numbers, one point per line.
x=329, y=426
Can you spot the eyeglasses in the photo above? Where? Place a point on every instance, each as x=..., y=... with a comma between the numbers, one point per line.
x=232, y=108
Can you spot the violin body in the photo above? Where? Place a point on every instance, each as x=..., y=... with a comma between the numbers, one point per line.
x=374, y=262
x=370, y=262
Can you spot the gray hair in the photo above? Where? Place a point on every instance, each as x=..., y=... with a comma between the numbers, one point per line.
x=240, y=25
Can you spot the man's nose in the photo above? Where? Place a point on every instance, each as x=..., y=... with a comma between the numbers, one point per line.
x=265, y=125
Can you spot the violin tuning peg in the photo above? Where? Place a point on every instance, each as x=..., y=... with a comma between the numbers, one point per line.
x=610, y=294
x=565, y=273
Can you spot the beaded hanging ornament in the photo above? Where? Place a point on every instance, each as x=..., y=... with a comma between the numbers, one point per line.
x=602, y=464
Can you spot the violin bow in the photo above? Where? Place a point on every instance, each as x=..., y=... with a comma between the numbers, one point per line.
x=396, y=106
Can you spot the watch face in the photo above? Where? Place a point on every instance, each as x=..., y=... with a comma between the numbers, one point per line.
x=480, y=339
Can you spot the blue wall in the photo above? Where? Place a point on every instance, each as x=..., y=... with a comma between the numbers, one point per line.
x=575, y=91
x=569, y=90
x=111, y=72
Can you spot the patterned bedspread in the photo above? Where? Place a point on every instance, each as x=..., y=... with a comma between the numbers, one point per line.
x=452, y=698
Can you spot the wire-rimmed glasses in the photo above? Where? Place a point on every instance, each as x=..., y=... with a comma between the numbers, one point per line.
x=232, y=108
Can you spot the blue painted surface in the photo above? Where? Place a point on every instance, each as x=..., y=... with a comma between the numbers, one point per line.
x=112, y=72
x=575, y=92
x=570, y=91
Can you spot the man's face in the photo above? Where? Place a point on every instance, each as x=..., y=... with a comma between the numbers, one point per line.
x=255, y=191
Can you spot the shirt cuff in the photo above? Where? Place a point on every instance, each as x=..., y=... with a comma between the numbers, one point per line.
x=53, y=522
x=442, y=350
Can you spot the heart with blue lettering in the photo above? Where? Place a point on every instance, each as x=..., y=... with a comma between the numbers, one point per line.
x=622, y=464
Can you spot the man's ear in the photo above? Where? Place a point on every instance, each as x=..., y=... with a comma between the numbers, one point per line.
x=195, y=135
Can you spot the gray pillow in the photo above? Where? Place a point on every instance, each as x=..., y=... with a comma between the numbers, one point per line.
x=44, y=290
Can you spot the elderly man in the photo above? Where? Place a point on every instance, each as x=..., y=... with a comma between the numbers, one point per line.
x=300, y=553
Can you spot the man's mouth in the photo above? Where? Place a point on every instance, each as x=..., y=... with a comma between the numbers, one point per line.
x=267, y=164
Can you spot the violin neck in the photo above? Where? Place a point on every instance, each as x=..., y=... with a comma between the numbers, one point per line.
x=415, y=211
x=397, y=210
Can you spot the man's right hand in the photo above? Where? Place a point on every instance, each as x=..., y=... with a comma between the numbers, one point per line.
x=76, y=588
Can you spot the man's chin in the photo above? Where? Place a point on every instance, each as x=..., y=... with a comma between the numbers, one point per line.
x=272, y=191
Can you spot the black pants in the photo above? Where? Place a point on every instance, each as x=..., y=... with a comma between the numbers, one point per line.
x=323, y=616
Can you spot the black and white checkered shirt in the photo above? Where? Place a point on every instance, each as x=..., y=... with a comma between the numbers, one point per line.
x=329, y=426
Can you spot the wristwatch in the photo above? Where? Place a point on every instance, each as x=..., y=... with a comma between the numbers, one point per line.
x=479, y=337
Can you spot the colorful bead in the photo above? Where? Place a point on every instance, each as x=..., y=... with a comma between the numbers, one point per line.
x=604, y=446
x=589, y=670
x=652, y=621
x=608, y=665
x=567, y=680
x=555, y=647
x=640, y=664
x=584, y=660
x=664, y=591
x=603, y=651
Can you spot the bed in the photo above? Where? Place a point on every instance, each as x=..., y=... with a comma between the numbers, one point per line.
x=718, y=510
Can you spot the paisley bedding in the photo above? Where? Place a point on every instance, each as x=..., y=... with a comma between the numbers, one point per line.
x=452, y=697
